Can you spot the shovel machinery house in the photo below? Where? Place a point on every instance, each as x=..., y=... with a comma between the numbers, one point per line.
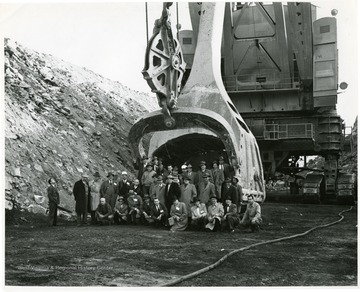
x=255, y=83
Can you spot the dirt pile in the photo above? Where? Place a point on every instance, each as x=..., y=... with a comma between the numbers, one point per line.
x=62, y=121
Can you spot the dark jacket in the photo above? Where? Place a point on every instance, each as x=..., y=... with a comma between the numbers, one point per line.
x=53, y=195
x=229, y=192
x=171, y=193
x=155, y=212
x=123, y=188
x=104, y=209
x=81, y=198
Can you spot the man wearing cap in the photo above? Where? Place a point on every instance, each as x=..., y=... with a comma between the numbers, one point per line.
x=191, y=174
x=225, y=167
x=159, y=213
x=146, y=211
x=121, y=211
x=158, y=191
x=104, y=212
x=168, y=171
x=140, y=165
x=160, y=169
x=231, y=217
x=228, y=191
x=252, y=216
x=135, y=203
x=81, y=193
x=188, y=194
x=198, y=215
x=239, y=193
x=215, y=215
x=54, y=201
x=95, y=186
x=208, y=191
x=124, y=185
x=172, y=191
x=136, y=188
x=109, y=190
x=147, y=179
x=200, y=175
x=218, y=177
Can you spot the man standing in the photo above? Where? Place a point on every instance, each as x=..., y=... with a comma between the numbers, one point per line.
x=200, y=175
x=228, y=191
x=158, y=191
x=136, y=187
x=231, y=217
x=168, y=171
x=54, y=201
x=159, y=213
x=215, y=215
x=172, y=191
x=208, y=191
x=124, y=185
x=140, y=166
x=104, y=212
x=225, y=167
x=252, y=216
x=109, y=190
x=81, y=193
x=95, y=186
x=147, y=179
x=239, y=193
x=160, y=169
x=188, y=194
x=198, y=215
x=190, y=174
x=218, y=177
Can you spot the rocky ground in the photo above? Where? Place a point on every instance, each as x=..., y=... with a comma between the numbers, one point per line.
x=66, y=255
x=62, y=121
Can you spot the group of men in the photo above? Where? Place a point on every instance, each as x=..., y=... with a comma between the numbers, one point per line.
x=207, y=198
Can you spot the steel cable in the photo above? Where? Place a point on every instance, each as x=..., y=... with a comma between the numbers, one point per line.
x=212, y=266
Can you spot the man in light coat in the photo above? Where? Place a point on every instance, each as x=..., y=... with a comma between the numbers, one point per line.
x=252, y=216
x=208, y=191
x=215, y=215
x=198, y=215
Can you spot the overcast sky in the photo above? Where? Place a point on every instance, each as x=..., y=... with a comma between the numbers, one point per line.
x=110, y=38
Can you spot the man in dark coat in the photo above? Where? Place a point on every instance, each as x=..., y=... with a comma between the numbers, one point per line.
x=159, y=213
x=172, y=191
x=81, y=193
x=190, y=174
x=54, y=201
x=140, y=166
x=228, y=191
x=124, y=186
x=231, y=217
x=104, y=213
x=225, y=167
x=109, y=190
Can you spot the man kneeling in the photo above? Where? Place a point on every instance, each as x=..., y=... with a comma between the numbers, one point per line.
x=104, y=213
x=159, y=213
x=198, y=215
x=252, y=216
x=231, y=217
x=215, y=215
x=121, y=212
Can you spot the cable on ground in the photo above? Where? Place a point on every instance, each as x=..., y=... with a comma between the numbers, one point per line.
x=216, y=264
